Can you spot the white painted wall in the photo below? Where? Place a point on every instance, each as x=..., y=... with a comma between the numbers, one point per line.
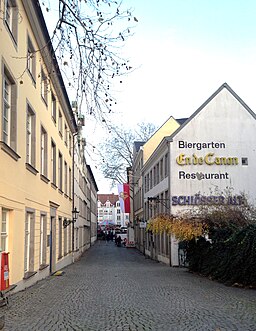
x=224, y=119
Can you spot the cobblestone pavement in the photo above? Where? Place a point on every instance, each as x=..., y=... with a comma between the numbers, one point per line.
x=118, y=289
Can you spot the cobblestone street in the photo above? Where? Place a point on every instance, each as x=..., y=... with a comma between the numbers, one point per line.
x=117, y=289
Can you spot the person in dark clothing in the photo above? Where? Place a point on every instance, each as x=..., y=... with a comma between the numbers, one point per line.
x=118, y=241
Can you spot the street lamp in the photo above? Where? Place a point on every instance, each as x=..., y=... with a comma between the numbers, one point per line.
x=155, y=200
x=66, y=222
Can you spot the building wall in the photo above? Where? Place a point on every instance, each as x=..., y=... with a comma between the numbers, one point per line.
x=25, y=188
x=212, y=156
x=232, y=129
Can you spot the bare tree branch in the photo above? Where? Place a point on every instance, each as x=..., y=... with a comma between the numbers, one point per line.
x=88, y=39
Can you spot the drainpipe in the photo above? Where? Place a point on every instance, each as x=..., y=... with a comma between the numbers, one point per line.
x=73, y=197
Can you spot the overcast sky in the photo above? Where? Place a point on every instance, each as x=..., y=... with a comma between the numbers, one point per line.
x=184, y=50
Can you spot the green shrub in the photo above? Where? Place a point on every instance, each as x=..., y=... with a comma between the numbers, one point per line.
x=231, y=260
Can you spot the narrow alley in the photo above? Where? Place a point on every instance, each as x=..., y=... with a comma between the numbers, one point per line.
x=118, y=289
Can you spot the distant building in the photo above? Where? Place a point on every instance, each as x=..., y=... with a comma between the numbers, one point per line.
x=109, y=210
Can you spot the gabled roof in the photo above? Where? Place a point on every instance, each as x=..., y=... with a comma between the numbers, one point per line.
x=226, y=86
x=111, y=197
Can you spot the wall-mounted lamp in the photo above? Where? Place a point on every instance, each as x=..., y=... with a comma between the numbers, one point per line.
x=154, y=200
x=66, y=222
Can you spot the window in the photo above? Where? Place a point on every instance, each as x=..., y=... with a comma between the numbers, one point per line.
x=150, y=179
x=43, y=152
x=4, y=229
x=65, y=134
x=161, y=169
x=69, y=238
x=60, y=171
x=166, y=165
x=60, y=237
x=11, y=18
x=29, y=242
x=244, y=160
x=44, y=86
x=54, y=108
x=31, y=137
x=53, y=162
x=60, y=123
x=65, y=240
x=157, y=173
x=9, y=126
x=43, y=239
x=70, y=182
x=118, y=211
x=31, y=60
x=65, y=177
x=69, y=143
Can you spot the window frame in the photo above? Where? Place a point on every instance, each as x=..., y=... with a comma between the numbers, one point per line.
x=43, y=239
x=4, y=234
x=30, y=136
x=53, y=163
x=44, y=152
x=11, y=140
x=31, y=60
x=11, y=18
x=44, y=86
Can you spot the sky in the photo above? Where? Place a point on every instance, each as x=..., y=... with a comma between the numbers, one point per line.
x=183, y=51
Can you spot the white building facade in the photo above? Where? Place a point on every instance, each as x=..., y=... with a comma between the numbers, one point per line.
x=210, y=158
x=109, y=210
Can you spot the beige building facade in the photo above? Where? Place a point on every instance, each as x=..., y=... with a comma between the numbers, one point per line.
x=37, y=128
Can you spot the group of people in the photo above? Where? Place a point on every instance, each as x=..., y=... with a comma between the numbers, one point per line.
x=110, y=236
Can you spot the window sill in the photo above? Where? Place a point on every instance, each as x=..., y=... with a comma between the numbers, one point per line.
x=31, y=169
x=9, y=151
x=29, y=274
x=60, y=191
x=44, y=178
x=54, y=186
x=43, y=266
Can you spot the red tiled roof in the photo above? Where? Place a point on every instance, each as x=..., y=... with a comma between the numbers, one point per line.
x=111, y=197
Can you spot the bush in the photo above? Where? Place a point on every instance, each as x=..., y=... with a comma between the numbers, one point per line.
x=231, y=261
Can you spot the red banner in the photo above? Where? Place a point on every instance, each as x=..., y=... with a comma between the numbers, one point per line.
x=124, y=197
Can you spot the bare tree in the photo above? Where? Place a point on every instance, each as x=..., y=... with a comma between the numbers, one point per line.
x=117, y=150
x=87, y=39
